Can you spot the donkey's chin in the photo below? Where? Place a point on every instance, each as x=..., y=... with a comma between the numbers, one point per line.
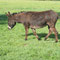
x=9, y=28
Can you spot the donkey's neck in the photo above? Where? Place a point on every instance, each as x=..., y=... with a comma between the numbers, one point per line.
x=17, y=19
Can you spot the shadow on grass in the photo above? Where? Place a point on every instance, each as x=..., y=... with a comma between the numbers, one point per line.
x=3, y=19
x=41, y=35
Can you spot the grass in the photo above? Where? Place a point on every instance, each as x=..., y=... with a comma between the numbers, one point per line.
x=12, y=43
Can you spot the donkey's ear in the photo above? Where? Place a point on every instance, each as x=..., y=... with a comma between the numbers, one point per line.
x=8, y=14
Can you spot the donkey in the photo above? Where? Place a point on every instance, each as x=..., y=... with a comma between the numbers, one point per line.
x=35, y=20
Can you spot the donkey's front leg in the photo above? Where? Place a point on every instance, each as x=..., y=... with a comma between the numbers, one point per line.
x=26, y=32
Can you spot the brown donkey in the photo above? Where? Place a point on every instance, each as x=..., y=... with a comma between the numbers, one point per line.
x=35, y=20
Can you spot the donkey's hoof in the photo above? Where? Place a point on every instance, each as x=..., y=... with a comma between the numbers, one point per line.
x=39, y=39
x=56, y=41
x=45, y=39
x=25, y=39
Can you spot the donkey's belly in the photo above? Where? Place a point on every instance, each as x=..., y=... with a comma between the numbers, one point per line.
x=36, y=26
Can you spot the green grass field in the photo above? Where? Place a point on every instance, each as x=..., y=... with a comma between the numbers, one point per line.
x=12, y=43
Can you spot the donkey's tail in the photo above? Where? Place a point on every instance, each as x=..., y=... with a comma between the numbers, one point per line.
x=58, y=17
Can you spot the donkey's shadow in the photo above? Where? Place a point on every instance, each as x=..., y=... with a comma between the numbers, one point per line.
x=41, y=35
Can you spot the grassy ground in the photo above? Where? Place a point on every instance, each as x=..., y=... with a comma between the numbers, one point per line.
x=12, y=43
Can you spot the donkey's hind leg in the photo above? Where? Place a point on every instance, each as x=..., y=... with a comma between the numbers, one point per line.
x=34, y=31
x=56, y=33
x=48, y=33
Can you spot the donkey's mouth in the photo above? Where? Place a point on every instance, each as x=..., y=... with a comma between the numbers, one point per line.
x=9, y=27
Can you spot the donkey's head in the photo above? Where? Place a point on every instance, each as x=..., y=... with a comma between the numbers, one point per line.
x=11, y=21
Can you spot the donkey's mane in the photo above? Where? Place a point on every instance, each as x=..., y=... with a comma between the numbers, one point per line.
x=18, y=12
x=14, y=13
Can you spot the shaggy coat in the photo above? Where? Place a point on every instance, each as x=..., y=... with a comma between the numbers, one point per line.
x=35, y=20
